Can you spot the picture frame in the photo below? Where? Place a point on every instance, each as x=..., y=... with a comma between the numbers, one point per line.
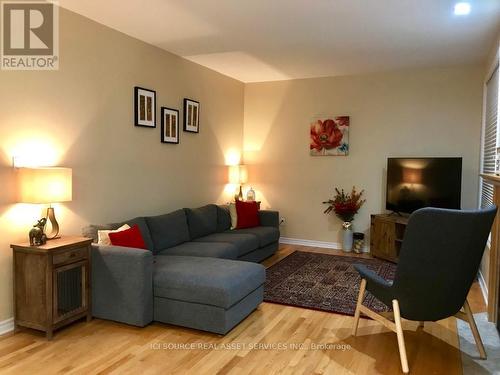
x=191, y=116
x=169, y=125
x=144, y=107
x=329, y=136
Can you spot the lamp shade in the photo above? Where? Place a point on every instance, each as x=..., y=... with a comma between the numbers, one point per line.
x=44, y=185
x=238, y=174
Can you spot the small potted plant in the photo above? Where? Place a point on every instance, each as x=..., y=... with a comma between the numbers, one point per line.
x=345, y=206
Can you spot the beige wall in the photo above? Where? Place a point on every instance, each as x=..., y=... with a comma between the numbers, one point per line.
x=82, y=117
x=433, y=112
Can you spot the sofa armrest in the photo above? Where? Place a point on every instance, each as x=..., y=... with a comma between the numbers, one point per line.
x=122, y=284
x=269, y=218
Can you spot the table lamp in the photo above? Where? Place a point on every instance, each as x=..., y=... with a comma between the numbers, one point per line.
x=238, y=175
x=45, y=186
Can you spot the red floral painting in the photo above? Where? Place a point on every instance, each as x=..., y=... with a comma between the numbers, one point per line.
x=330, y=136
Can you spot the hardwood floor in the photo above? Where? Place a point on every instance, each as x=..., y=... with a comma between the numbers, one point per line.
x=273, y=339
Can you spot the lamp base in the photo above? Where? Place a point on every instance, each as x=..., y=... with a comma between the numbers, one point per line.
x=239, y=196
x=55, y=225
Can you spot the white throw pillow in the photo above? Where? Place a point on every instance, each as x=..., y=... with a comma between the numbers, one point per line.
x=234, y=215
x=103, y=235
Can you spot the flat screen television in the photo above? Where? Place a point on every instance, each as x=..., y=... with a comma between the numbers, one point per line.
x=413, y=183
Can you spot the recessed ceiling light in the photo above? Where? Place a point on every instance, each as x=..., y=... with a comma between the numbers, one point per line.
x=462, y=9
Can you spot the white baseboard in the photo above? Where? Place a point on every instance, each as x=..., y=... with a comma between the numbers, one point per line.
x=313, y=243
x=6, y=326
x=483, y=286
x=302, y=242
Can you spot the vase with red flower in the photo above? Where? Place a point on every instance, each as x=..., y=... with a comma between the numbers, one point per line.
x=345, y=206
x=347, y=237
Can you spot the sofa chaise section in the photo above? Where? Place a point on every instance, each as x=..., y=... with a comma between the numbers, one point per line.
x=204, y=293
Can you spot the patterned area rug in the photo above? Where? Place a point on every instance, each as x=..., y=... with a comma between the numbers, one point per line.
x=322, y=282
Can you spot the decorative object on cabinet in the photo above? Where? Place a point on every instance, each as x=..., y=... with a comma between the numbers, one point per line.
x=251, y=194
x=238, y=175
x=37, y=235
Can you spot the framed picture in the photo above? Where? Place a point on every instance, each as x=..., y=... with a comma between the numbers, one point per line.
x=329, y=136
x=169, y=125
x=191, y=116
x=145, y=107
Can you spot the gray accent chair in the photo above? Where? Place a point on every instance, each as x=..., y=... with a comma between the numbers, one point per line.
x=196, y=271
x=439, y=259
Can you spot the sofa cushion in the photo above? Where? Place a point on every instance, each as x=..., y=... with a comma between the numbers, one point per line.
x=202, y=220
x=223, y=218
x=203, y=249
x=247, y=214
x=244, y=242
x=143, y=227
x=209, y=281
x=91, y=230
x=131, y=237
x=266, y=235
x=168, y=230
x=103, y=234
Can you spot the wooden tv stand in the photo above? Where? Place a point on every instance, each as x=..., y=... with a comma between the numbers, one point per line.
x=386, y=235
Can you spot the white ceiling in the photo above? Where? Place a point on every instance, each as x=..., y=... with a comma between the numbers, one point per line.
x=266, y=40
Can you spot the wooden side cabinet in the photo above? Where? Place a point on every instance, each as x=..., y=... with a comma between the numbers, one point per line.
x=52, y=283
x=386, y=236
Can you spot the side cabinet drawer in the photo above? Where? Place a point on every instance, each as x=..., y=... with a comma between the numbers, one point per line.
x=69, y=256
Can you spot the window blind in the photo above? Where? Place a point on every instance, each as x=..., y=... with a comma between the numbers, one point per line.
x=490, y=137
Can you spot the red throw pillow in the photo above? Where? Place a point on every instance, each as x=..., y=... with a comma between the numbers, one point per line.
x=248, y=214
x=128, y=238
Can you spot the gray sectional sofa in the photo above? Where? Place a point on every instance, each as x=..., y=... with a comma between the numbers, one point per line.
x=196, y=271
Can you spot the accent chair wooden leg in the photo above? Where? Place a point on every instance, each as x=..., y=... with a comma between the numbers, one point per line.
x=475, y=332
x=361, y=296
x=401, y=338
